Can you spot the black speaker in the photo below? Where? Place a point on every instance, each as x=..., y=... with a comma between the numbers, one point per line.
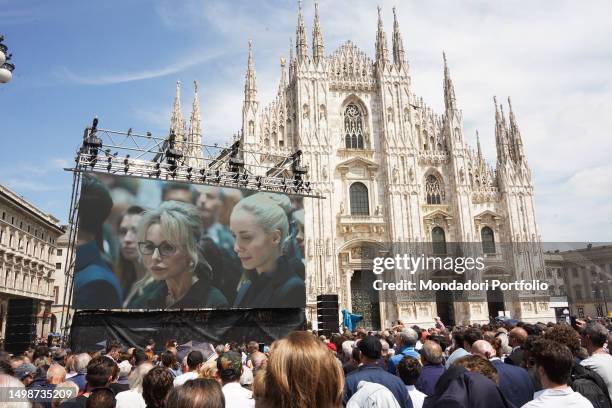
x=20, y=325
x=327, y=314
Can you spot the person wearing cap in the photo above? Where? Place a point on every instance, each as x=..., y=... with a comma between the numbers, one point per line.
x=370, y=351
x=95, y=285
x=229, y=370
x=25, y=373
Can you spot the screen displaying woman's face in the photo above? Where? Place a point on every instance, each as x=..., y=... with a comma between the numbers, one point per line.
x=256, y=248
x=128, y=236
x=171, y=263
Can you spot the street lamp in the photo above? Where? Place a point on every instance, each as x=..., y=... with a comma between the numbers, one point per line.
x=6, y=68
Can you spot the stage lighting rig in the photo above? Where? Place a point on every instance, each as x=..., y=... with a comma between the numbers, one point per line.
x=172, y=155
x=91, y=143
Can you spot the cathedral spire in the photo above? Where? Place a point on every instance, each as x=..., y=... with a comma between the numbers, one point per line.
x=177, y=124
x=381, y=42
x=501, y=133
x=398, y=44
x=515, y=134
x=301, y=45
x=195, y=131
x=283, y=80
x=449, y=88
x=250, y=87
x=479, y=150
x=318, y=50
x=194, y=148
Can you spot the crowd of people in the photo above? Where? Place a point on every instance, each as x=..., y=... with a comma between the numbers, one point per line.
x=151, y=244
x=492, y=366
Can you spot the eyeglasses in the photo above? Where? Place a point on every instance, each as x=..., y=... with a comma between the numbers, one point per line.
x=164, y=249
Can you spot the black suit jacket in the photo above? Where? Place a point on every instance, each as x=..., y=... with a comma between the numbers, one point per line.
x=514, y=383
x=515, y=358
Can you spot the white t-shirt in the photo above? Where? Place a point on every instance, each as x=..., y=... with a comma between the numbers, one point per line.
x=557, y=398
x=130, y=399
x=237, y=396
x=417, y=397
x=183, y=378
x=602, y=365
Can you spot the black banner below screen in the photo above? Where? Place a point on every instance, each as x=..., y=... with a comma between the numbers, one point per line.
x=91, y=329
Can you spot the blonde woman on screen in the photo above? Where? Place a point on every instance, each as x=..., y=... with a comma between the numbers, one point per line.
x=261, y=230
x=168, y=238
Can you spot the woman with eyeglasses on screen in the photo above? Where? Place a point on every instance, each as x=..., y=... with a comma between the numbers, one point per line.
x=261, y=230
x=167, y=244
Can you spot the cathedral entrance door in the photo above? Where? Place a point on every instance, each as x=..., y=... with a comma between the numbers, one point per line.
x=495, y=301
x=364, y=299
x=446, y=307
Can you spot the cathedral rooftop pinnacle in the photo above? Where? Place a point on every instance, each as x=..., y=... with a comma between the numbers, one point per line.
x=318, y=49
x=177, y=123
x=195, y=120
x=301, y=44
x=250, y=86
x=398, y=44
x=449, y=88
x=381, y=42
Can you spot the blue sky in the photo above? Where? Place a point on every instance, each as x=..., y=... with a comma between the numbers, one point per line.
x=119, y=60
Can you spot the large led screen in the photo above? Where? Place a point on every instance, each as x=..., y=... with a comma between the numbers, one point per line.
x=157, y=244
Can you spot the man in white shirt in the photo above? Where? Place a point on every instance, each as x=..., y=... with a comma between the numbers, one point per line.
x=553, y=363
x=229, y=370
x=195, y=359
x=594, y=337
x=409, y=370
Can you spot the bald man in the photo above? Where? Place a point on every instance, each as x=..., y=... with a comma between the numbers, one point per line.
x=514, y=382
x=516, y=339
x=56, y=374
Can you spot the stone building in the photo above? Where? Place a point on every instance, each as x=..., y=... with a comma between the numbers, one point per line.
x=587, y=279
x=395, y=175
x=28, y=250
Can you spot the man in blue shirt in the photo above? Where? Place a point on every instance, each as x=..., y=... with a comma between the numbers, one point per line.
x=370, y=351
x=406, y=341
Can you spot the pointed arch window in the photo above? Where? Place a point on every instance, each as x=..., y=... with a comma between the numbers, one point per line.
x=438, y=239
x=488, y=240
x=353, y=127
x=433, y=190
x=358, y=193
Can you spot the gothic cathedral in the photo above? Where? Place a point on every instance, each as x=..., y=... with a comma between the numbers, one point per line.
x=395, y=174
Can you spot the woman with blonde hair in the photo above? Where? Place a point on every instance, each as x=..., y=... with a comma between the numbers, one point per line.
x=168, y=245
x=261, y=228
x=301, y=373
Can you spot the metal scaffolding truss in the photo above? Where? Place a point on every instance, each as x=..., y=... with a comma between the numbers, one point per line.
x=147, y=156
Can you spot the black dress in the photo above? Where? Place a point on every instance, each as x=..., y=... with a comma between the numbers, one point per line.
x=281, y=288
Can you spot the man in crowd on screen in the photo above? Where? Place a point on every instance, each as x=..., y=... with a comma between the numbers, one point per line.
x=182, y=192
x=95, y=285
x=209, y=201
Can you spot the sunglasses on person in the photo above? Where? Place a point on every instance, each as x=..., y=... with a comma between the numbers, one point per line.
x=164, y=249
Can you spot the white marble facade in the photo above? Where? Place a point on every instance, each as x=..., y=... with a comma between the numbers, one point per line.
x=362, y=129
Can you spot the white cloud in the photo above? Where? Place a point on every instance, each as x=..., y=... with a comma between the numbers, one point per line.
x=195, y=59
